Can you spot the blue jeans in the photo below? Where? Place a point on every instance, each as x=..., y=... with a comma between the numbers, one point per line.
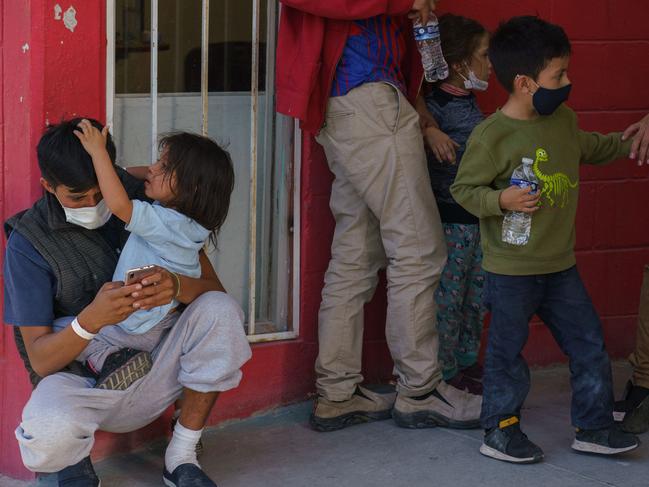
x=563, y=304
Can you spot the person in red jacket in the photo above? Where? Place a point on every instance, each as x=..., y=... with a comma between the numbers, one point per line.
x=350, y=71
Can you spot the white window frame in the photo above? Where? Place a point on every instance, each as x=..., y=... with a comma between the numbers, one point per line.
x=254, y=94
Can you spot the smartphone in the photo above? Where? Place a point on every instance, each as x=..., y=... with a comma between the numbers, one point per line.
x=135, y=275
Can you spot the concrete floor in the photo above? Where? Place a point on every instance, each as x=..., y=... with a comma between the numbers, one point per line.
x=279, y=449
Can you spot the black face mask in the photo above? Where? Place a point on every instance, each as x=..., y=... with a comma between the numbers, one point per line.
x=546, y=101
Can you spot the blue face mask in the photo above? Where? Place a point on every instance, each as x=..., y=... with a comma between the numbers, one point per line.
x=546, y=101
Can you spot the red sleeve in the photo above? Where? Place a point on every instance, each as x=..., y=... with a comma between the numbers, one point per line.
x=350, y=9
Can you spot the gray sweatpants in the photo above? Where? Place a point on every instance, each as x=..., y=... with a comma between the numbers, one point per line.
x=202, y=349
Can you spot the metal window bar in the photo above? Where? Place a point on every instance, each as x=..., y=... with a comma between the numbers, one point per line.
x=294, y=154
x=205, y=47
x=110, y=63
x=254, y=102
x=154, y=81
x=271, y=167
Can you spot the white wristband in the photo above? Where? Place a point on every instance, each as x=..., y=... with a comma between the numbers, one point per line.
x=86, y=335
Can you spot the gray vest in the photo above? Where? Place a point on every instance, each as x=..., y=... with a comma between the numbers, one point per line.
x=81, y=260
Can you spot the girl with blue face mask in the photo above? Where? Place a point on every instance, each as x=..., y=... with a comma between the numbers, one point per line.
x=454, y=107
x=465, y=44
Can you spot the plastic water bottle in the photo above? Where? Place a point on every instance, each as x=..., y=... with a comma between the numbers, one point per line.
x=430, y=48
x=516, y=224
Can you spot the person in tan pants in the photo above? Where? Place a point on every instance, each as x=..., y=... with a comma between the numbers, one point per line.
x=633, y=410
x=366, y=74
x=385, y=214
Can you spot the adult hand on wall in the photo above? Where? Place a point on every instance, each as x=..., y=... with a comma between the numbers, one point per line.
x=640, y=133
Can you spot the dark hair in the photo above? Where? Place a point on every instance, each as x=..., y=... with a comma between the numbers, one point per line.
x=63, y=160
x=525, y=45
x=204, y=178
x=460, y=37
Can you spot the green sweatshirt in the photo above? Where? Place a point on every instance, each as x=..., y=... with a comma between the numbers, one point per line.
x=558, y=147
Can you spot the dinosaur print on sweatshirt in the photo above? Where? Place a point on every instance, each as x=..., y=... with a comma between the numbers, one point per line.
x=554, y=187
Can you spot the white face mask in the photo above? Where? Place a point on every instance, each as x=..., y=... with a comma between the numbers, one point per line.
x=89, y=217
x=473, y=82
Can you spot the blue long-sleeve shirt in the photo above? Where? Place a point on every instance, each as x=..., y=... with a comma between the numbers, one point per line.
x=457, y=116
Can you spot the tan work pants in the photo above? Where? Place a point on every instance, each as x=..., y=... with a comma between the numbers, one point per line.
x=385, y=213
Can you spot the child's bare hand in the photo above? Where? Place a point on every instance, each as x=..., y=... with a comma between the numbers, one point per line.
x=442, y=145
x=515, y=198
x=93, y=140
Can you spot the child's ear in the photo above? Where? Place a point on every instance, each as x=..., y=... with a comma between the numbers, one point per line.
x=458, y=67
x=523, y=84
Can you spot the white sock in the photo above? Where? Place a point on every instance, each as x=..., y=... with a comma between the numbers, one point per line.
x=182, y=447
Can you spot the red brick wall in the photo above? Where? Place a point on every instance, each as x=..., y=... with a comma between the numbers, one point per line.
x=609, y=69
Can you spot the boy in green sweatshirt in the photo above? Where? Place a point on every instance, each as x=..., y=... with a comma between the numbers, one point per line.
x=530, y=58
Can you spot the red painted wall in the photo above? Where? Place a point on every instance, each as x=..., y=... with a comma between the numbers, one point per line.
x=62, y=74
x=21, y=102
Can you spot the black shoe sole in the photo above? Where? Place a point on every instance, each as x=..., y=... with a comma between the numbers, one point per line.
x=167, y=482
x=429, y=419
x=166, y=478
x=350, y=419
x=122, y=378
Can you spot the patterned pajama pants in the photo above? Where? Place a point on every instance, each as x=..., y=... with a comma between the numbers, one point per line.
x=459, y=299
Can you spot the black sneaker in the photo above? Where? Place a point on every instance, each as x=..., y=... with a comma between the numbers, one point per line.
x=633, y=410
x=187, y=475
x=632, y=397
x=637, y=421
x=122, y=368
x=508, y=443
x=80, y=474
x=605, y=441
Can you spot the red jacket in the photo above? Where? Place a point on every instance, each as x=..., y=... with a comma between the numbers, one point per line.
x=311, y=39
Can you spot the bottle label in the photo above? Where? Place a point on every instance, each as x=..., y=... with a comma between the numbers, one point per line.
x=426, y=32
x=524, y=183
